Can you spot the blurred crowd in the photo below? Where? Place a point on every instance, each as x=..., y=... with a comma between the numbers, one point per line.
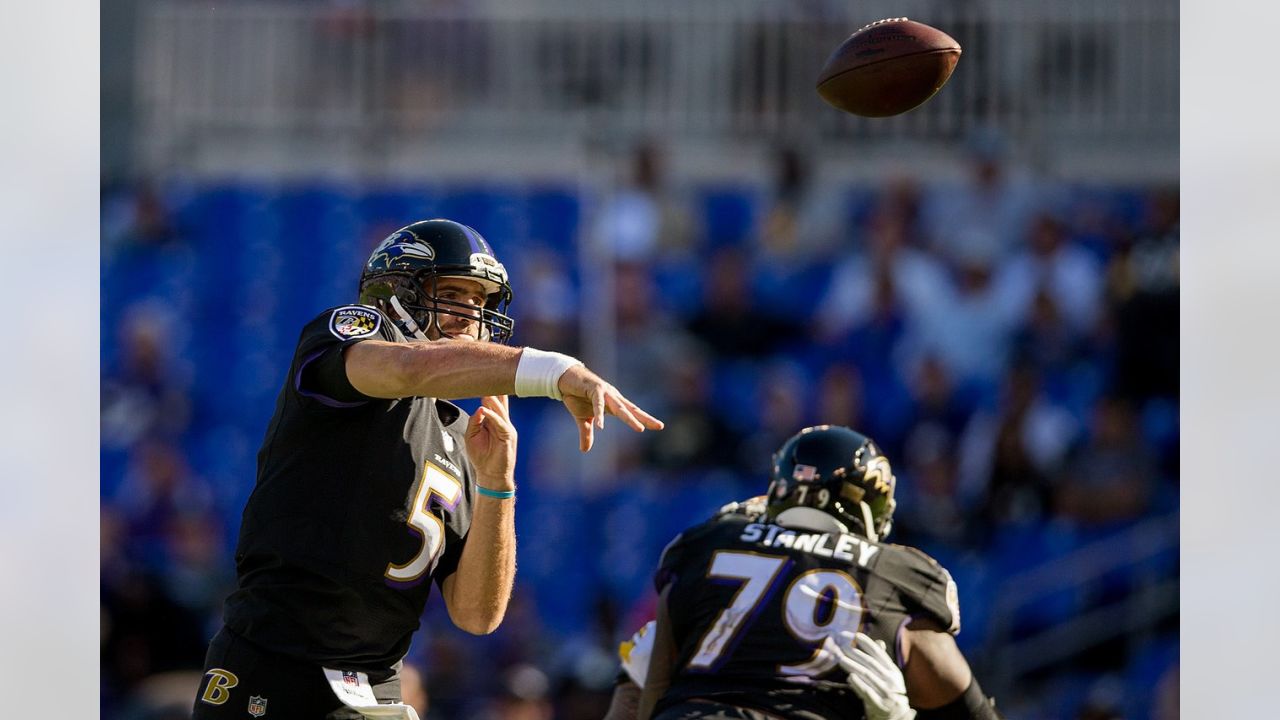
x=1011, y=341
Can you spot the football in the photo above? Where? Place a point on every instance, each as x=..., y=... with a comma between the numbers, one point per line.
x=888, y=67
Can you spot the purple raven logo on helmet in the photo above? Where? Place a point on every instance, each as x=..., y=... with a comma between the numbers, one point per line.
x=401, y=244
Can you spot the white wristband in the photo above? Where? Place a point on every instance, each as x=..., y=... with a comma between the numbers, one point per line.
x=538, y=373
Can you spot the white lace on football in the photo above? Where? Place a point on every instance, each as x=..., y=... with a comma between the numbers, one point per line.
x=882, y=22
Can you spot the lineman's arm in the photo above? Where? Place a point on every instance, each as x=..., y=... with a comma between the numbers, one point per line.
x=625, y=701
x=662, y=661
x=940, y=684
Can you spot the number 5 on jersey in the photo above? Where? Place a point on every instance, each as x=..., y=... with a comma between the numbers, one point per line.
x=436, y=483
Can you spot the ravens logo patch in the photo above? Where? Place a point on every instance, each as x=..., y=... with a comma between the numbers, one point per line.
x=354, y=322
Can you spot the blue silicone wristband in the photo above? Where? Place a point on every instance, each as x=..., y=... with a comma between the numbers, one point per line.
x=500, y=494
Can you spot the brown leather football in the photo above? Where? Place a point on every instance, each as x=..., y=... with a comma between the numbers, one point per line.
x=888, y=68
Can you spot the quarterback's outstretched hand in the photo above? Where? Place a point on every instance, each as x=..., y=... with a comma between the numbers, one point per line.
x=588, y=398
x=491, y=443
x=875, y=677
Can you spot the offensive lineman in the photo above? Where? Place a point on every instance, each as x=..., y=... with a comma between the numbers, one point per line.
x=371, y=485
x=782, y=616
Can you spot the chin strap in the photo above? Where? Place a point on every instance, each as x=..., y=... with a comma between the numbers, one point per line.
x=405, y=318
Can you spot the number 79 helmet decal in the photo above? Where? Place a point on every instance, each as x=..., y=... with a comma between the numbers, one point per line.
x=838, y=471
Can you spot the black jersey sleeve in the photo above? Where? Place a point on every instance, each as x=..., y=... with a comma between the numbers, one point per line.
x=669, y=563
x=927, y=588
x=683, y=552
x=320, y=371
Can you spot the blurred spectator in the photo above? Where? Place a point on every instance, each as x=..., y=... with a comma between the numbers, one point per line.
x=1052, y=265
x=784, y=405
x=1103, y=701
x=641, y=220
x=996, y=201
x=452, y=687
x=195, y=574
x=158, y=488
x=145, y=395
x=1143, y=289
x=930, y=510
x=525, y=696
x=138, y=219
x=934, y=398
x=938, y=507
x=888, y=271
x=1167, y=695
x=840, y=396
x=802, y=220
x=649, y=341
x=1111, y=476
x=801, y=227
x=901, y=198
x=872, y=343
x=1010, y=457
x=971, y=331
x=729, y=321
x=548, y=310
x=1046, y=340
x=697, y=436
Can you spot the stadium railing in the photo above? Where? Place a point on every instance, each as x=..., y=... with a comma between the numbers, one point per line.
x=1082, y=72
x=1120, y=587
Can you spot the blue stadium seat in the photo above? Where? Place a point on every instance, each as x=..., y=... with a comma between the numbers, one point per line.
x=728, y=215
x=493, y=210
x=554, y=217
x=397, y=206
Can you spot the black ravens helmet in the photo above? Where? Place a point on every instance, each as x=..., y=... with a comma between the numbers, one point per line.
x=838, y=471
x=400, y=278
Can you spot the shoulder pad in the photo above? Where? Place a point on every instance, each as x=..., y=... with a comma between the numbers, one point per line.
x=676, y=552
x=925, y=585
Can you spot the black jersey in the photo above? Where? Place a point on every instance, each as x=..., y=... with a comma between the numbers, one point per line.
x=359, y=504
x=752, y=602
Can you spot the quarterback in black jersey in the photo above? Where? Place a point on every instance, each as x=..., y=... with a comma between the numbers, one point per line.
x=372, y=486
x=805, y=612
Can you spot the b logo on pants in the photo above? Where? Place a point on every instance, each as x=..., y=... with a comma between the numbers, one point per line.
x=217, y=689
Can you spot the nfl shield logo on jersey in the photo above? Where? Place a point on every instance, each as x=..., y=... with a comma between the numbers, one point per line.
x=257, y=706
